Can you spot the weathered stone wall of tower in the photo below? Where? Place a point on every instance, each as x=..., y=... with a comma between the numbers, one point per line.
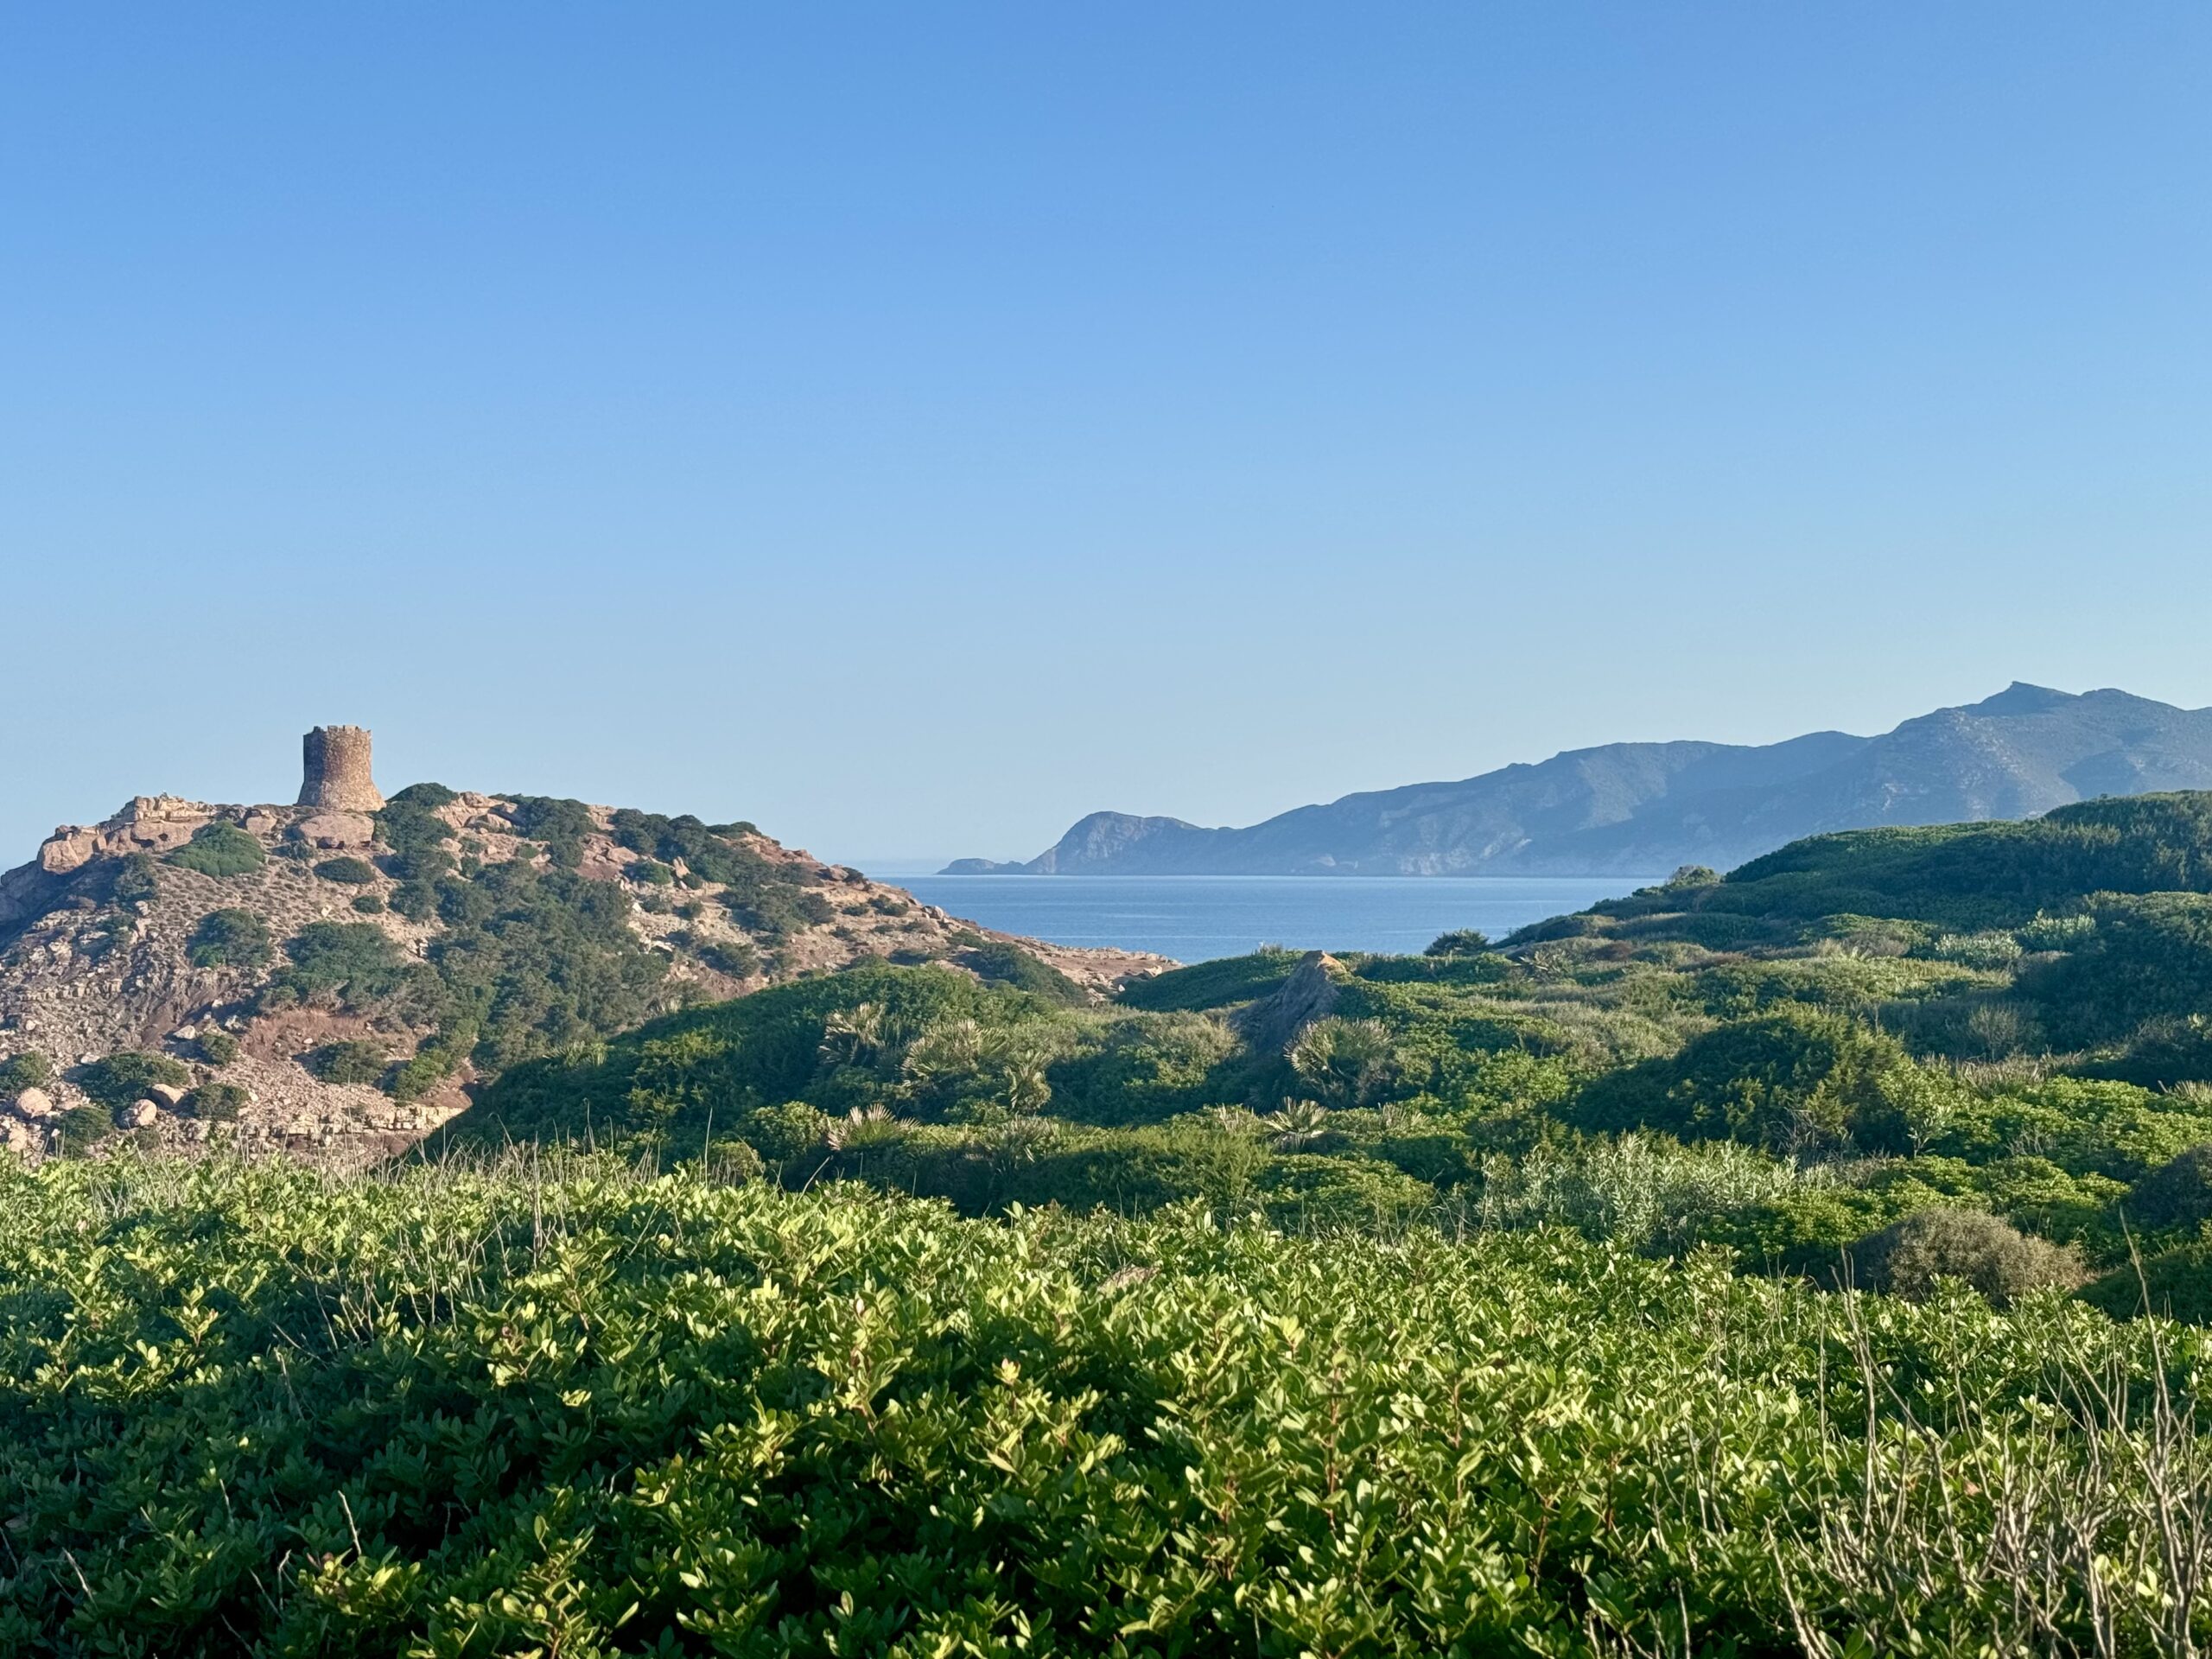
x=337, y=768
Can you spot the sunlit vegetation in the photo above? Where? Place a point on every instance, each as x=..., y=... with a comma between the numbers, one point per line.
x=229, y=938
x=1750, y=1266
x=557, y=1408
x=124, y=1077
x=219, y=849
x=1796, y=1102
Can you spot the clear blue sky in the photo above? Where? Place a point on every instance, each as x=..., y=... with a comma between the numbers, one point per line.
x=910, y=427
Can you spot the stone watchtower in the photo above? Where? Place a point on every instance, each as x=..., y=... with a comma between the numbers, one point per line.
x=337, y=763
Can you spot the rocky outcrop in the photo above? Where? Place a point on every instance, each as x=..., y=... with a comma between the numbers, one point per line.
x=1274, y=1022
x=1101, y=842
x=150, y=823
x=92, y=965
x=335, y=830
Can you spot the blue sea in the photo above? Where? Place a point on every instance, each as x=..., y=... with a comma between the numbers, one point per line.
x=1192, y=917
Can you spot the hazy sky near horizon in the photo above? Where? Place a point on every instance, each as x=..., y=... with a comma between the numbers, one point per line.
x=913, y=426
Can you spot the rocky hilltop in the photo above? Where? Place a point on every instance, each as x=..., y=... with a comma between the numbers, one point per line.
x=335, y=982
x=1646, y=808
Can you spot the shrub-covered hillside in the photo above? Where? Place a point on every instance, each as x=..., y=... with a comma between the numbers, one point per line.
x=1999, y=874
x=565, y=1410
x=336, y=978
x=1796, y=1095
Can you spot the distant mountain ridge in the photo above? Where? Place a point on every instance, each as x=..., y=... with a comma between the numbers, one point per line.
x=1645, y=808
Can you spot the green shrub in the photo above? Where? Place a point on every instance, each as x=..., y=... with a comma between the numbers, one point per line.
x=219, y=849
x=1985, y=950
x=135, y=880
x=1797, y=1078
x=1984, y=875
x=125, y=1077
x=2149, y=959
x=573, y=1410
x=1459, y=942
x=216, y=1047
x=784, y=1132
x=732, y=957
x=352, y=871
x=2066, y=932
x=1001, y=963
x=418, y=838
x=81, y=1127
x=1647, y=1192
x=416, y=901
x=1349, y=1062
x=1304, y=1191
x=1909, y=1256
x=370, y=904
x=431, y=1063
x=1147, y=1069
x=353, y=963
x=559, y=825
x=217, y=1102
x=2176, y=1194
x=2162, y=1053
x=537, y=960
x=29, y=1069
x=726, y=1161
x=2177, y=1284
x=352, y=1061
x=230, y=939
x=1873, y=936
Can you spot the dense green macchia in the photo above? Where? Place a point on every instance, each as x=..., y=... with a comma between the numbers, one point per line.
x=570, y=1408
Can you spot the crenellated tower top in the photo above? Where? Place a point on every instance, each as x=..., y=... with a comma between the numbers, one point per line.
x=337, y=770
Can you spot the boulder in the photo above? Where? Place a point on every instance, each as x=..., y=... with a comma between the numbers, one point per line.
x=1274, y=1022
x=337, y=829
x=167, y=1095
x=138, y=1115
x=68, y=849
x=35, y=1102
x=18, y=1136
x=155, y=823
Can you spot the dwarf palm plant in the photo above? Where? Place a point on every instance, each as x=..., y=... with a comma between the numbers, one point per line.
x=1347, y=1061
x=1299, y=1123
x=853, y=1036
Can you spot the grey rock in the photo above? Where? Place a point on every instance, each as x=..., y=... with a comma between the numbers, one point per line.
x=336, y=830
x=1273, y=1023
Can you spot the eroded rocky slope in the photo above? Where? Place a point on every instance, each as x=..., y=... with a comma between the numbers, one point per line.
x=333, y=984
